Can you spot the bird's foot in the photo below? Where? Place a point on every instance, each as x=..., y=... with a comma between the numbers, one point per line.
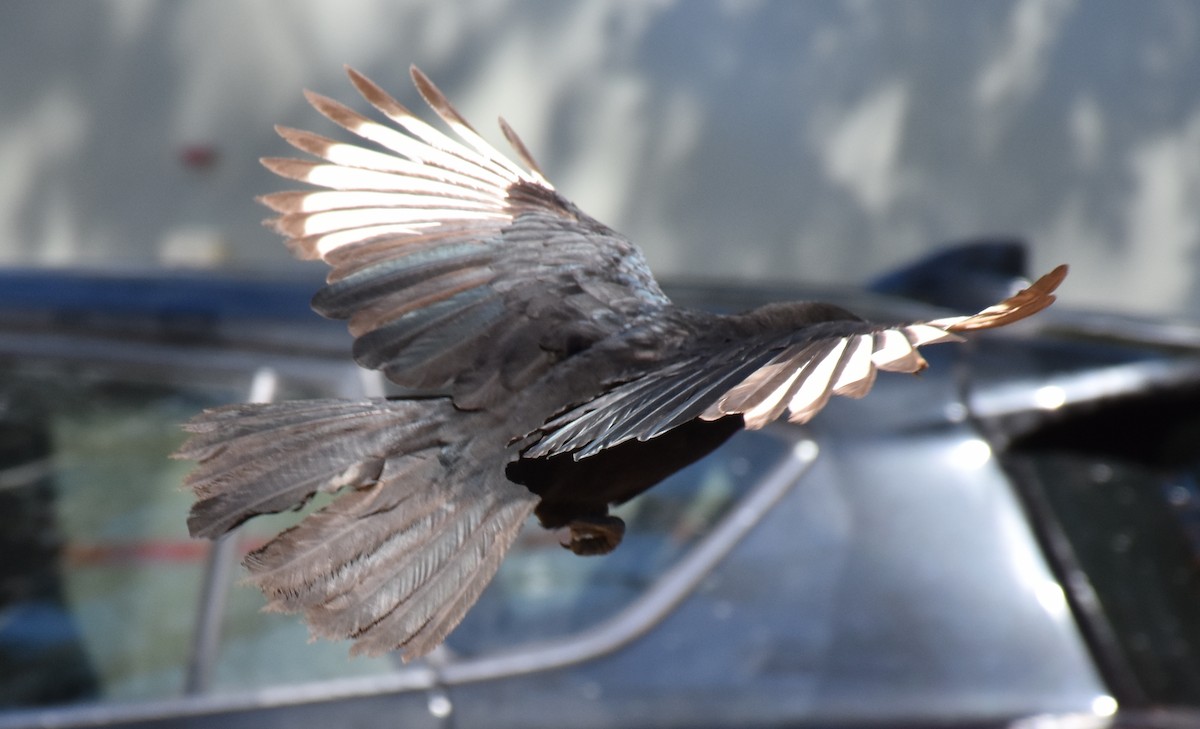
x=591, y=535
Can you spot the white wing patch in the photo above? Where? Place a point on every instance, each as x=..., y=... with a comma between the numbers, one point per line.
x=802, y=377
x=921, y=334
x=419, y=179
x=817, y=385
x=770, y=406
x=894, y=353
x=858, y=374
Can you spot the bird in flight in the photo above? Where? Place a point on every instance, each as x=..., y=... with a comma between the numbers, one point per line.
x=549, y=375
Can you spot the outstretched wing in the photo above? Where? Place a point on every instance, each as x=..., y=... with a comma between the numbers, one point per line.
x=761, y=378
x=458, y=270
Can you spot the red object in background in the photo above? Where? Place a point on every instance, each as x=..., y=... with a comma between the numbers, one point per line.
x=198, y=156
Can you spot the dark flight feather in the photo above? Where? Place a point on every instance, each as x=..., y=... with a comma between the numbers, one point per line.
x=557, y=378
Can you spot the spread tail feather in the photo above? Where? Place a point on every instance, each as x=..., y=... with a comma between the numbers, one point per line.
x=397, y=559
x=266, y=458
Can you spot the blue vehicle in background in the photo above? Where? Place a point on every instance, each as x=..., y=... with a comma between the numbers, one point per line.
x=1010, y=539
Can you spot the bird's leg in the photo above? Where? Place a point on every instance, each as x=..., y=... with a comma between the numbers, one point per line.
x=592, y=535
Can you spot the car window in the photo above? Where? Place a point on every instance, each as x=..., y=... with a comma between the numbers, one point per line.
x=1116, y=483
x=101, y=598
x=1135, y=532
x=100, y=587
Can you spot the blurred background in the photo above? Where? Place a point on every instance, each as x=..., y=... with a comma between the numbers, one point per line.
x=819, y=141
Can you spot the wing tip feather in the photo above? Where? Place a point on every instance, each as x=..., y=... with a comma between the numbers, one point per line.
x=1025, y=303
x=522, y=151
x=375, y=95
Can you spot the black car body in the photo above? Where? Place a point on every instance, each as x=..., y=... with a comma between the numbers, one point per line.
x=1011, y=537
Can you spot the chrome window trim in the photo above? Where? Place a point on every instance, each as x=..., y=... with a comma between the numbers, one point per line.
x=218, y=571
x=626, y=626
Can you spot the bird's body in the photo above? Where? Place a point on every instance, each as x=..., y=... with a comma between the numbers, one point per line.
x=555, y=378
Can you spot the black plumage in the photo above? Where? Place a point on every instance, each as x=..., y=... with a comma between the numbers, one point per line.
x=556, y=378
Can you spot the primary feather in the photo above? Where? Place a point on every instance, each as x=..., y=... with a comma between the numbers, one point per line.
x=556, y=376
